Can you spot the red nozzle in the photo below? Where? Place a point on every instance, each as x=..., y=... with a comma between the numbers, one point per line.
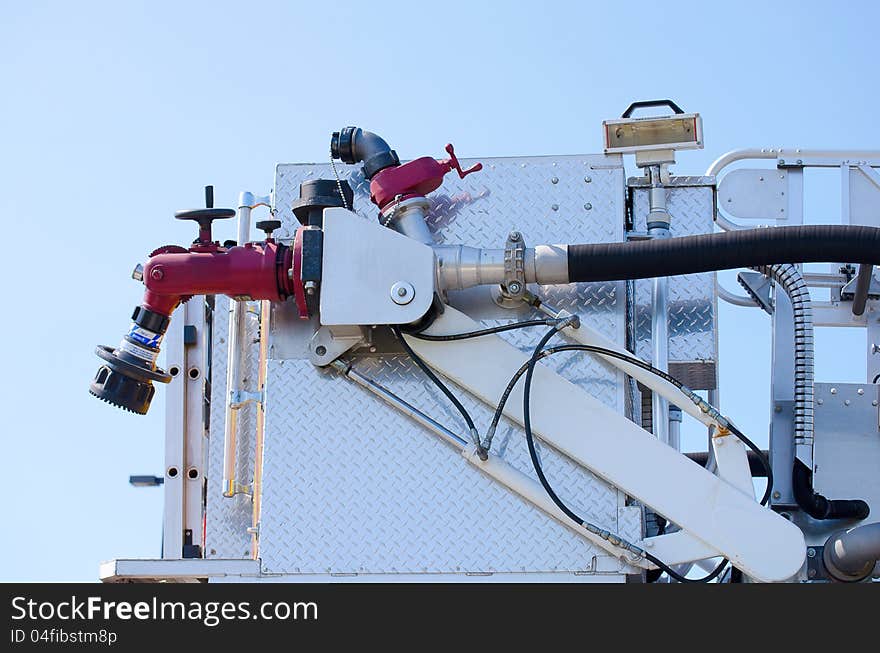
x=418, y=177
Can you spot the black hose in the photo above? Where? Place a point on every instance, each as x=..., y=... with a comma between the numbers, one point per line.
x=863, y=288
x=723, y=251
x=817, y=506
x=443, y=388
x=536, y=463
x=484, y=332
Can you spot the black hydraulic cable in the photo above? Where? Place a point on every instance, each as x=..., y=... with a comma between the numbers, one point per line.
x=443, y=388
x=723, y=251
x=762, y=457
x=487, y=331
x=536, y=463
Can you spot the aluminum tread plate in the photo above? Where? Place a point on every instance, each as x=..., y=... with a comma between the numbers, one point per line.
x=351, y=486
x=228, y=519
x=692, y=304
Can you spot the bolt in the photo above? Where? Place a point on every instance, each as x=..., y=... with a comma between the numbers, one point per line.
x=860, y=391
x=847, y=402
x=820, y=401
x=782, y=162
x=800, y=161
x=514, y=236
x=811, y=552
x=812, y=573
x=875, y=349
x=372, y=350
x=310, y=287
x=834, y=391
x=555, y=180
x=588, y=206
x=320, y=350
x=874, y=403
x=138, y=273
x=777, y=495
x=401, y=292
x=156, y=273
x=514, y=287
x=777, y=409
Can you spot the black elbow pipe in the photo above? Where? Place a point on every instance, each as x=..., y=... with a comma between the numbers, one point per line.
x=863, y=287
x=723, y=251
x=817, y=506
x=353, y=145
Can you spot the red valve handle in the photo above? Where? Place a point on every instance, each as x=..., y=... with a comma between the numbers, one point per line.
x=455, y=165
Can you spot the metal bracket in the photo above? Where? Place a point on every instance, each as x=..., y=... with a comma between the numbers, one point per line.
x=848, y=290
x=240, y=398
x=514, y=284
x=816, y=564
x=329, y=343
x=758, y=286
x=250, y=201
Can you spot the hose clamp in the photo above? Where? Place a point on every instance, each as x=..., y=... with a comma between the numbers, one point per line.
x=514, y=284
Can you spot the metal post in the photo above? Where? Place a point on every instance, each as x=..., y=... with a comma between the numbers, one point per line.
x=246, y=203
x=782, y=441
x=658, y=227
x=233, y=373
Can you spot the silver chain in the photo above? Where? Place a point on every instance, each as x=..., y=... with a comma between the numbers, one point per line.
x=338, y=182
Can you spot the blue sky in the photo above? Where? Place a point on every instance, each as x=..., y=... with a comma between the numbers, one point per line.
x=114, y=114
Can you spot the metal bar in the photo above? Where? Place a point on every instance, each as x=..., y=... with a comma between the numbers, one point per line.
x=235, y=355
x=658, y=228
x=265, y=310
x=863, y=285
x=194, y=445
x=175, y=429
x=403, y=406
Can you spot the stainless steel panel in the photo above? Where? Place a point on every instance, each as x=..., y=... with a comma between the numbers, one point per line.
x=846, y=449
x=693, y=335
x=352, y=487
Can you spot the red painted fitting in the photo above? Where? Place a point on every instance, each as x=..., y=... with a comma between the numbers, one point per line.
x=418, y=177
x=254, y=271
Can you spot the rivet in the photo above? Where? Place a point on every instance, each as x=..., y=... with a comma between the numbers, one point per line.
x=860, y=391
x=847, y=402
x=588, y=179
x=834, y=391
x=555, y=207
x=820, y=401
x=555, y=180
x=588, y=206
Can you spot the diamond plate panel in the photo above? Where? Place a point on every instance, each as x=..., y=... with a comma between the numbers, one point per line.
x=365, y=490
x=228, y=519
x=352, y=486
x=693, y=334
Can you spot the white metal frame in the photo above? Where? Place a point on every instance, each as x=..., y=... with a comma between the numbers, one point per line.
x=185, y=447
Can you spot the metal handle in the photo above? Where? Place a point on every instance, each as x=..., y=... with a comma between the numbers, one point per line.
x=643, y=104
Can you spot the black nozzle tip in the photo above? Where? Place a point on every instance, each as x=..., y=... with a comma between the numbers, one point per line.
x=125, y=384
x=341, y=145
x=122, y=391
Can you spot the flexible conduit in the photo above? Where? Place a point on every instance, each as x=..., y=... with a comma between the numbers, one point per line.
x=789, y=278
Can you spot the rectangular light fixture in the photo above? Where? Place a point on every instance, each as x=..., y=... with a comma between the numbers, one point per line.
x=682, y=131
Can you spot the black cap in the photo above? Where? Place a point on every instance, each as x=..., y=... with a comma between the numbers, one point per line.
x=318, y=194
